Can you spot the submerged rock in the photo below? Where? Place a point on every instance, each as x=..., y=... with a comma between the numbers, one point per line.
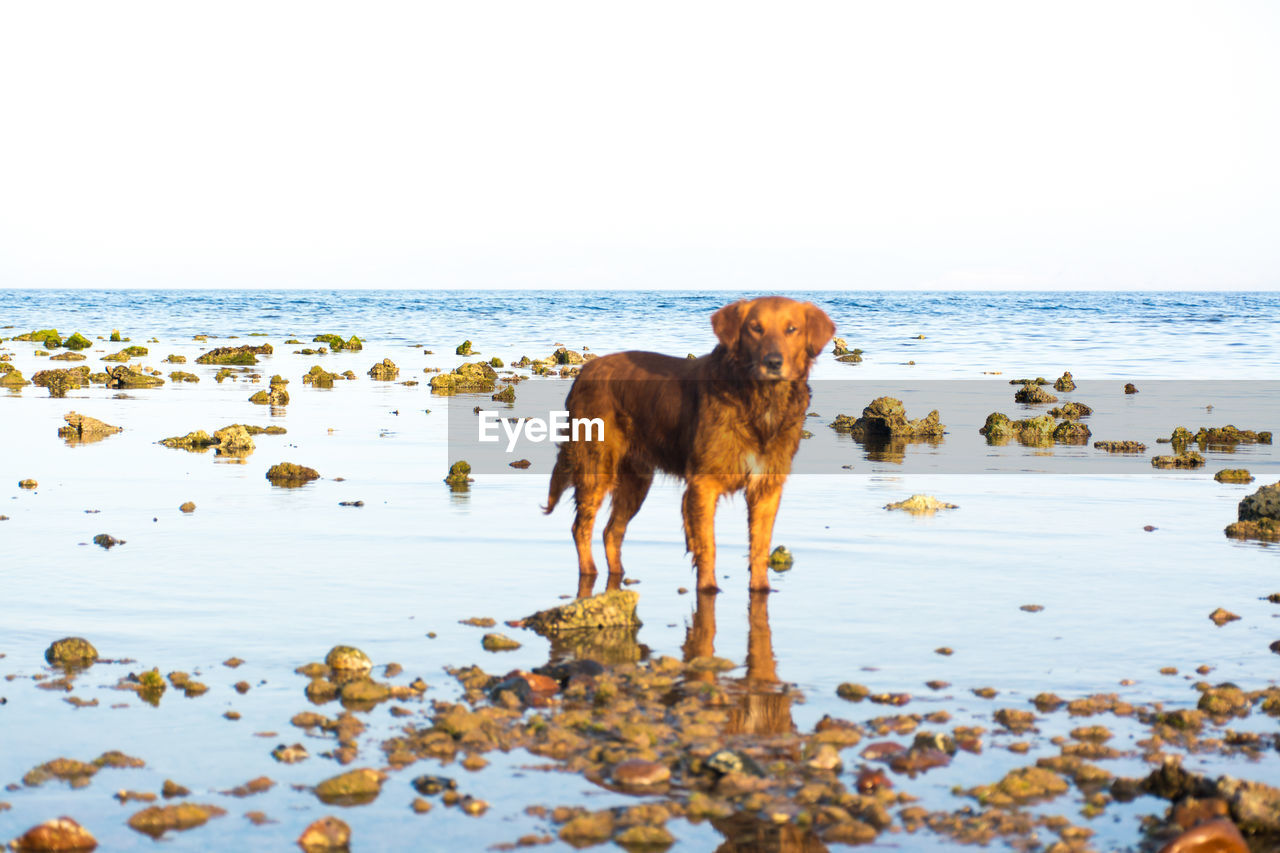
x=197, y=441
x=288, y=475
x=616, y=608
x=82, y=429
x=182, y=376
x=61, y=835
x=886, y=417
x=921, y=504
x=235, y=355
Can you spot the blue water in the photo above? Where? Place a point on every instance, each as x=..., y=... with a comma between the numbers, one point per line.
x=278, y=576
x=1094, y=334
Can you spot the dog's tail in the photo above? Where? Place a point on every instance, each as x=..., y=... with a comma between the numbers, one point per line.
x=560, y=480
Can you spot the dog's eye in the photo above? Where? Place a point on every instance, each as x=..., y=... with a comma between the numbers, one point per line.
x=757, y=328
x=791, y=330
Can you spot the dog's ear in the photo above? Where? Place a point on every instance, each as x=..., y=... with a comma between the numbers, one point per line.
x=818, y=329
x=727, y=322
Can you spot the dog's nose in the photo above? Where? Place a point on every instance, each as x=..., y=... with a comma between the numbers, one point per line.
x=773, y=361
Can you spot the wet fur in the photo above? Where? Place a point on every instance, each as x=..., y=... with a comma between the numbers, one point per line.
x=717, y=422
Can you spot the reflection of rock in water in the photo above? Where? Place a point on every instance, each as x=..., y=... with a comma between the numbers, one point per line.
x=605, y=645
x=745, y=833
x=893, y=448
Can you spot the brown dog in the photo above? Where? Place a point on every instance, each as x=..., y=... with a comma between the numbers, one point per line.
x=727, y=422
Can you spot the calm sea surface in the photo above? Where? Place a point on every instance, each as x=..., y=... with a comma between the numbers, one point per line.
x=277, y=577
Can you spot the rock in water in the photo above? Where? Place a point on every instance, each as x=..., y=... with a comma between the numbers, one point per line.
x=1264, y=503
x=921, y=503
x=289, y=475
x=355, y=787
x=62, y=835
x=234, y=355
x=384, y=371
x=615, y=608
x=326, y=834
x=886, y=417
x=71, y=651
x=1065, y=382
x=82, y=429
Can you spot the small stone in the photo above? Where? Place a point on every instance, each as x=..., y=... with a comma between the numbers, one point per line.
x=71, y=651
x=498, y=643
x=187, y=507
x=327, y=833
x=107, y=541
x=28, y=484
x=61, y=835
x=921, y=504
x=638, y=773
x=780, y=560
x=349, y=659
x=355, y=787
x=1221, y=617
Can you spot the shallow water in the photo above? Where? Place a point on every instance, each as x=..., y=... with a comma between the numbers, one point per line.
x=277, y=576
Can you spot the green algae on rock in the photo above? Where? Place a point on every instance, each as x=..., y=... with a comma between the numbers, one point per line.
x=336, y=343
x=62, y=380
x=291, y=475
x=126, y=377
x=506, y=395
x=615, y=608
x=1020, y=786
x=71, y=651
x=319, y=377
x=1233, y=475
x=463, y=348
x=885, y=417
x=459, y=475
x=11, y=377
x=197, y=441
x=277, y=396
x=182, y=376
x=1071, y=432
x=1121, y=446
x=68, y=356
x=77, y=341
x=840, y=349
x=780, y=559
x=1071, y=411
x=126, y=354
x=235, y=355
x=384, y=371
x=469, y=378
x=1032, y=394
x=1064, y=382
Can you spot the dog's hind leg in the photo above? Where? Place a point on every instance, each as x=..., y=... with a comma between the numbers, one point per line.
x=628, y=494
x=589, y=492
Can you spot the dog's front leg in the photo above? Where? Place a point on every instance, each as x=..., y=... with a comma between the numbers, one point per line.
x=764, y=493
x=700, y=528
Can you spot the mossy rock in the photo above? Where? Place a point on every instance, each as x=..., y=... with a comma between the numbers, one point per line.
x=77, y=342
x=48, y=337
x=183, y=376
x=780, y=559
x=71, y=651
x=472, y=377
x=291, y=475
x=506, y=395
x=355, y=787
x=616, y=608
x=62, y=380
x=235, y=355
x=885, y=417
x=384, y=371
x=348, y=659
x=1032, y=394
x=1187, y=460
x=464, y=348
x=495, y=362
x=68, y=356
x=115, y=336
x=1071, y=411
x=155, y=821
x=1071, y=432
x=1233, y=475
x=234, y=440
x=498, y=643
x=199, y=441
x=1064, y=382
x=459, y=474
x=126, y=377
x=319, y=377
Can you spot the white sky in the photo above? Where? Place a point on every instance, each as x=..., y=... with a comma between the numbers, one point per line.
x=659, y=144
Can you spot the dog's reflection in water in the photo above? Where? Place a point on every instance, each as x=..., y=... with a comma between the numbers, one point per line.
x=761, y=706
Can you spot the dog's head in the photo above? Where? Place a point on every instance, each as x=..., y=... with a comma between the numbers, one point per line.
x=773, y=337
